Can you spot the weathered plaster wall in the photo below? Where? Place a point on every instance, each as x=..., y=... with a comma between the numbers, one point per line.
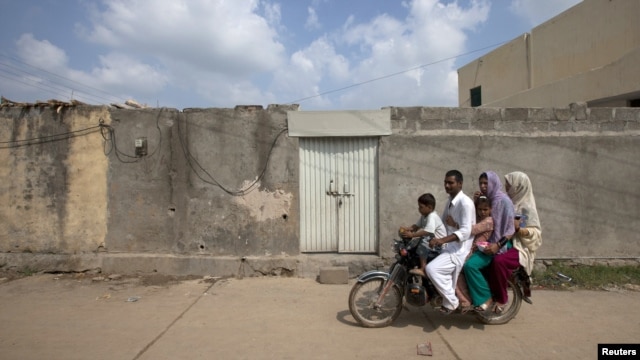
x=141, y=193
x=54, y=180
x=246, y=203
x=223, y=183
x=211, y=185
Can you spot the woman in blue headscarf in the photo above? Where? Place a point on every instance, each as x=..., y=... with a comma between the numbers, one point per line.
x=502, y=213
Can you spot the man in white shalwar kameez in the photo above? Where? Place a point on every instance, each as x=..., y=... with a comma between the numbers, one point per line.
x=459, y=216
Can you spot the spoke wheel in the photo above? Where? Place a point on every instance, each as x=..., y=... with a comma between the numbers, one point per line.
x=362, y=303
x=511, y=308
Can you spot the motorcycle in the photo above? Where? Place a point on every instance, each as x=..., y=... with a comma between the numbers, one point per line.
x=377, y=298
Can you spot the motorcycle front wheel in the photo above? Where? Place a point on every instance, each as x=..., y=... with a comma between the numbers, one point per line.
x=362, y=303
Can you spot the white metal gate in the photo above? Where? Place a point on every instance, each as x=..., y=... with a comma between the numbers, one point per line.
x=338, y=182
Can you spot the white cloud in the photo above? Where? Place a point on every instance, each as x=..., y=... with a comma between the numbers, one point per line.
x=217, y=90
x=221, y=36
x=385, y=60
x=308, y=69
x=222, y=53
x=213, y=48
x=41, y=53
x=272, y=13
x=535, y=12
x=312, y=22
x=411, y=49
x=121, y=71
x=117, y=74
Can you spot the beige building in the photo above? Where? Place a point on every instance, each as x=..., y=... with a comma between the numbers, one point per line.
x=589, y=53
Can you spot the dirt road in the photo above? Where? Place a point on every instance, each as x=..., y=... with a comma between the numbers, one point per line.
x=64, y=317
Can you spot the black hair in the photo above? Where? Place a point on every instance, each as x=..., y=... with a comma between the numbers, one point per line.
x=484, y=176
x=456, y=173
x=483, y=200
x=427, y=199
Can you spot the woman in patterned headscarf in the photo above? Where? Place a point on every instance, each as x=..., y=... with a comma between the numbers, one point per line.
x=503, y=228
x=527, y=238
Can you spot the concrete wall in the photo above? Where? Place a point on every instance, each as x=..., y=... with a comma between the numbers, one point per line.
x=586, y=54
x=511, y=61
x=54, y=180
x=590, y=35
x=217, y=192
x=581, y=162
x=200, y=191
x=614, y=83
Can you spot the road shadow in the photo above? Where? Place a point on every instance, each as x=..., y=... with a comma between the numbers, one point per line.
x=413, y=316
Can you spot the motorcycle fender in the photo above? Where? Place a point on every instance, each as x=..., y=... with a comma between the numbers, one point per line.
x=372, y=275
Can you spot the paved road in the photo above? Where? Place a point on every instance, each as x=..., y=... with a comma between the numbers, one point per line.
x=62, y=317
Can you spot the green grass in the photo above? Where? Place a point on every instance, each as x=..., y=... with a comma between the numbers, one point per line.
x=27, y=271
x=592, y=277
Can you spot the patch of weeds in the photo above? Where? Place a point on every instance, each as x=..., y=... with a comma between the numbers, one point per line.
x=591, y=277
x=27, y=271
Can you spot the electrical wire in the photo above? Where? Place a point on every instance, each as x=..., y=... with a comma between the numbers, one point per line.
x=88, y=93
x=46, y=85
x=110, y=142
x=109, y=136
x=288, y=103
x=107, y=132
x=191, y=161
x=392, y=75
x=49, y=138
x=36, y=85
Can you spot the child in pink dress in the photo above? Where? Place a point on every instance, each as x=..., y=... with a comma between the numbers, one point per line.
x=482, y=231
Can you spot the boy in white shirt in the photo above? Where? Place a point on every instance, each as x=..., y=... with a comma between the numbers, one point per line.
x=428, y=226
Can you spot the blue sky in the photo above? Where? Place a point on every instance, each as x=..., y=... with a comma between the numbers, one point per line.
x=321, y=54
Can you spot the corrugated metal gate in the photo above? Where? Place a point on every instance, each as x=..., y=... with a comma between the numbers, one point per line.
x=338, y=182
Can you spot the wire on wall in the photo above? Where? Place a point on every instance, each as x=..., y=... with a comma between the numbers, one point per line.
x=109, y=136
x=110, y=145
x=49, y=138
x=197, y=168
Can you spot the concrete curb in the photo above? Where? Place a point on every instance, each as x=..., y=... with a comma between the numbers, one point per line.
x=304, y=265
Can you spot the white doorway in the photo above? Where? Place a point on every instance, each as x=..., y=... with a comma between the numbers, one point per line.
x=338, y=194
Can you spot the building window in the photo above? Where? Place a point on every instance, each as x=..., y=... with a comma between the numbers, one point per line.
x=476, y=96
x=634, y=103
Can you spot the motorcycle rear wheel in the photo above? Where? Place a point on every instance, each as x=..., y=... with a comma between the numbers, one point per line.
x=510, y=310
x=362, y=300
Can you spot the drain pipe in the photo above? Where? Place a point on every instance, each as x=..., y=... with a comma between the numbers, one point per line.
x=240, y=274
